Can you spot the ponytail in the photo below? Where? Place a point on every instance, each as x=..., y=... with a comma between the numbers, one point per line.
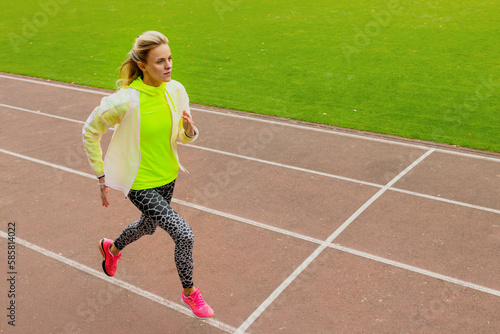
x=129, y=71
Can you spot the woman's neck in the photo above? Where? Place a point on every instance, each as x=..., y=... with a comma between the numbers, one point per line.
x=151, y=81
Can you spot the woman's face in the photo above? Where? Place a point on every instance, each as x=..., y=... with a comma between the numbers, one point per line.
x=159, y=66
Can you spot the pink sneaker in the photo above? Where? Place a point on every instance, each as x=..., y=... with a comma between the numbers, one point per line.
x=195, y=302
x=109, y=262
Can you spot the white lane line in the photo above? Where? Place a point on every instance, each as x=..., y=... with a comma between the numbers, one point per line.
x=467, y=155
x=122, y=284
x=312, y=128
x=417, y=270
x=42, y=113
x=310, y=171
x=184, y=203
x=371, y=184
x=45, y=163
x=48, y=83
x=272, y=163
x=299, y=126
x=440, y=199
x=219, y=152
x=340, y=133
x=249, y=222
x=275, y=294
x=288, y=233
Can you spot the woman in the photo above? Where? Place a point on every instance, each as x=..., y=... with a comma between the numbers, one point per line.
x=150, y=113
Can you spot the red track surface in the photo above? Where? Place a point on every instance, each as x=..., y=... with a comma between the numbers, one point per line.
x=299, y=228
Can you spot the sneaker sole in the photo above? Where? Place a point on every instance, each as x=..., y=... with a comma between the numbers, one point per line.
x=101, y=248
x=185, y=304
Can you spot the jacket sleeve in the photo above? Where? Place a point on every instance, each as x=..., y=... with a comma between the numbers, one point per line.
x=183, y=138
x=108, y=114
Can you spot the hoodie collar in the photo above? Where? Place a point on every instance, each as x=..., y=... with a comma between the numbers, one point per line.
x=150, y=90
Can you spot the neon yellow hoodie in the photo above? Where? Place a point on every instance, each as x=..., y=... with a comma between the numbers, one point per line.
x=158, y=163
x=122, y=111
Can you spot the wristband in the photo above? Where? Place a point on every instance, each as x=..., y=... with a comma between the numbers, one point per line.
x=194, y=135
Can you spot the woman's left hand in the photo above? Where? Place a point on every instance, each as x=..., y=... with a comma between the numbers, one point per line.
x=188, y=124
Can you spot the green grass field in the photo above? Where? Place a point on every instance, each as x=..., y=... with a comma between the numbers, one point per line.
x=418, y=69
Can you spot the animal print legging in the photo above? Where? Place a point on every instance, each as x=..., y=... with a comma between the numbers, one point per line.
x=156, y=211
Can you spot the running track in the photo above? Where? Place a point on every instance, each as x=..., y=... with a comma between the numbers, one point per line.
x=299, y=228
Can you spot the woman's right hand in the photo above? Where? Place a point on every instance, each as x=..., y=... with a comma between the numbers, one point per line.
x=104, y=192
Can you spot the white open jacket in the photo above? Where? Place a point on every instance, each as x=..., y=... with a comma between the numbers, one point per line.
x=122, y=111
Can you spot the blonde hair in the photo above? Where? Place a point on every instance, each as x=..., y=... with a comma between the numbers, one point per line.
x=129, y=71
